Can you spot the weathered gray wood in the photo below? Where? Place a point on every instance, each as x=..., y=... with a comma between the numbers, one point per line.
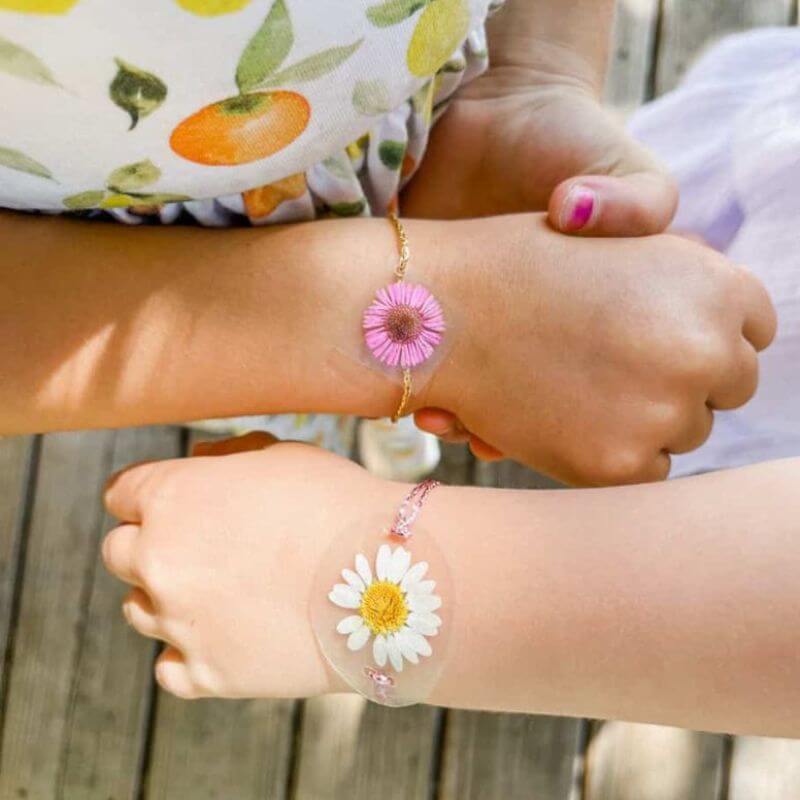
x=62, y=541
x=765, y=769
x=15, y=465
x=350, y=748
x=219, y=749
x=688, y=26
x=515, y=757
x=355, y=749
x=631, y=54
x=506, y=755
x=107, y=721
x=627, y=761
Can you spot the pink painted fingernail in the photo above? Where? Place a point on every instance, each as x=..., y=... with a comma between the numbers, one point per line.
x=579, y=208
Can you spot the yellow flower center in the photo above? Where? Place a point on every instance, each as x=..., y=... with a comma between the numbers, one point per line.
x=383, y=607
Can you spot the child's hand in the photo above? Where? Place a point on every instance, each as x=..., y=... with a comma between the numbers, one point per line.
x=222, y=553
x=593, y=359
x=524, y=139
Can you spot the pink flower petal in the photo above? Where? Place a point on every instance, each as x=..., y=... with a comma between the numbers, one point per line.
x=377, y=322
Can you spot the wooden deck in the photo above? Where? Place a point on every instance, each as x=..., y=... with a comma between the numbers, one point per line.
x=82, y=719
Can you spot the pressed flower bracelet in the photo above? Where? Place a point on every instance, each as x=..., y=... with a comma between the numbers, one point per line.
x=391, y=602
x=405, y=323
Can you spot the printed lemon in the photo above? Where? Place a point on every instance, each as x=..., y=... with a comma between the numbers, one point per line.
x=241, y=129
x=441, y=28
x=38, y=6
x=213, y=8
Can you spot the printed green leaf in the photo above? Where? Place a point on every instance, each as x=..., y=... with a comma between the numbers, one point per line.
x=391, y=153
x=371, y=97
x=133, y=176
x=267, y=50
x=392, y=12
x=354, y=209
x=135, y=91
x=313, y=67
x=84, y=200
x=21, y=63
x=126, y=200
x=14, y=159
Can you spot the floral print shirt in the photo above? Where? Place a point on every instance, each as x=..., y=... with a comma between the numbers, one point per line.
x=224, y=111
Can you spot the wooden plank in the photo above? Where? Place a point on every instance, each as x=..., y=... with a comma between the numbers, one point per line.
x=631, y=55
x=628, y=761
x=688, y=26
x=107, y=722
x=15, y=468
x=506, y=755
x=764, y=769
x=207, y=749
x=61, y=547
x=354, y=749
x=509, y=756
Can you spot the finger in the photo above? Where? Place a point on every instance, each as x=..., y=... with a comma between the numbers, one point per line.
x=118, y=551
x=484, y=451
x=441, y=423
x=138, y=610
x=173, y=675
x=255, y=440
x=638, y=204
x=737, y=384
x=695, y=434
x=126, y=490
x=761, y=321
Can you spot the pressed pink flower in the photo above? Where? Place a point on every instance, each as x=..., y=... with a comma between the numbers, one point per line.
x=403, y=325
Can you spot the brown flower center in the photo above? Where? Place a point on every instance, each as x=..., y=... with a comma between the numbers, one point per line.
x=403, y=324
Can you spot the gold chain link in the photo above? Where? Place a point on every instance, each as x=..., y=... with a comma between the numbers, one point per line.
x=406, y=395
x=400, y=273
x=405, y=253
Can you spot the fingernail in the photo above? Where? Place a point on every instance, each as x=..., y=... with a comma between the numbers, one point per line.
x=579, y=208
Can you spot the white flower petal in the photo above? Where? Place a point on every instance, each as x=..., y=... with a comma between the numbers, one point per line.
x=414, y=574
x=426, y=624
x=419, y=643
x=350, y=624
x=394, y=653
x=345, y=596
x=379, y=651
x=424, y=602
x=422, y=587
x=355, y=581
x=382, y=561
x=408, y=652
x=357, y=639
x=362, y=567
x=398, y=567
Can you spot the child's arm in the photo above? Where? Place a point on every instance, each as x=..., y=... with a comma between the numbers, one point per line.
x=590, y=359
x=673, y=603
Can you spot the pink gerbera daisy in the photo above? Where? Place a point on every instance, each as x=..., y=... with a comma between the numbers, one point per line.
x=403, y=325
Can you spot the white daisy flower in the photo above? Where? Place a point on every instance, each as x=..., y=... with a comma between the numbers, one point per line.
x=395, y=605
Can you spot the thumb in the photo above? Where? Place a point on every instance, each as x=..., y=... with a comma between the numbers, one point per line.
x=638, y=204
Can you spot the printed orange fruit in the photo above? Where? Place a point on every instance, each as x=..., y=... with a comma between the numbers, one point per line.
x=262, y=201
x=241, y=129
